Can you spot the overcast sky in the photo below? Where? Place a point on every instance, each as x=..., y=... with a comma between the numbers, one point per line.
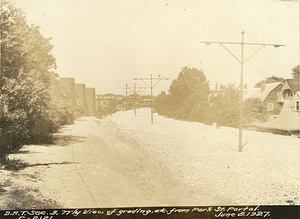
x=105, y=43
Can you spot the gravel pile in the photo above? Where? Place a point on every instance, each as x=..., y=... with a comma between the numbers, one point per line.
x=207, y=159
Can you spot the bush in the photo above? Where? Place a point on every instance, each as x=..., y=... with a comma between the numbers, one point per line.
x=28, y=108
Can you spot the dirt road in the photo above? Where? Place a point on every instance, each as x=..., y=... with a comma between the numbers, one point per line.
x=92, y=164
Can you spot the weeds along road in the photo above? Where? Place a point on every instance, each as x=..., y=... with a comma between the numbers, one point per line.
x=92, y=164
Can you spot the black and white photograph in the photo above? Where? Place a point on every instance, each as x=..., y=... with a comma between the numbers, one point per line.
x=149, y=108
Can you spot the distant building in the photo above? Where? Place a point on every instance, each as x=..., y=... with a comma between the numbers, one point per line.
x=145, y=101
x=289, y=117
x=68, y=86
x=82, y=99
x=91, y=101
x=119, y=99
x=288, y=97
x=80, y=95
x=268, y=94
x=106, y=104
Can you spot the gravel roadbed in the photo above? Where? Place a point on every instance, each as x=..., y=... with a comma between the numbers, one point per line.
x=207, y=158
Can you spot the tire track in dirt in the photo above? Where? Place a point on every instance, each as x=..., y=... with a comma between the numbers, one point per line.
x=80, y=175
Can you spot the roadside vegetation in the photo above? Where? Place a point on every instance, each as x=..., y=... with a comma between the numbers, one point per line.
x=191, y=99
x=31, y=104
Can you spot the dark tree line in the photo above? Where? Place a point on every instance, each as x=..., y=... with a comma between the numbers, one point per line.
x=31, y=106
x=273, y=79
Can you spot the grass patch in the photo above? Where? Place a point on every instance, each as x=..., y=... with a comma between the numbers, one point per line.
x=17, y=164
x=29, y=199
x=14, y=165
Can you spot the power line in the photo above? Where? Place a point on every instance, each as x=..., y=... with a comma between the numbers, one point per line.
x=242, y=61
x=134, y=92
x=151, y=88
x=179, y=60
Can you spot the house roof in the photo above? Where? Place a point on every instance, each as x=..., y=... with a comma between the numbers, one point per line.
x=268, y=89
x=294, y=84
x=285, y=123
x=296, y=96
x=250, y=92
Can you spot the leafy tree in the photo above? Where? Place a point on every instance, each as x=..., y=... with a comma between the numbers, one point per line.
x=111, y=107
x=188, y=92
x=268, y=80
x=135, y=95
x=146, y=97
x=199, y=107
x=195, y=106
x=163, y=104
x=254, y=111
x=28, y=106
x=190, y=99
x=225, y=106
x=295, y=72
x=187, y=82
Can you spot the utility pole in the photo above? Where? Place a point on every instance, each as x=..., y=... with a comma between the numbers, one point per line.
x=126, y=97
x=242, y=43
x=134, y=99
x=151, y=88
x=134, y=92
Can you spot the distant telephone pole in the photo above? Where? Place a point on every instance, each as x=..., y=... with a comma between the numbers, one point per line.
x=151, y=88
x=134, y=92
x=126, y=97
x=242, y=43
x=126, y=90
x=134, y=99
